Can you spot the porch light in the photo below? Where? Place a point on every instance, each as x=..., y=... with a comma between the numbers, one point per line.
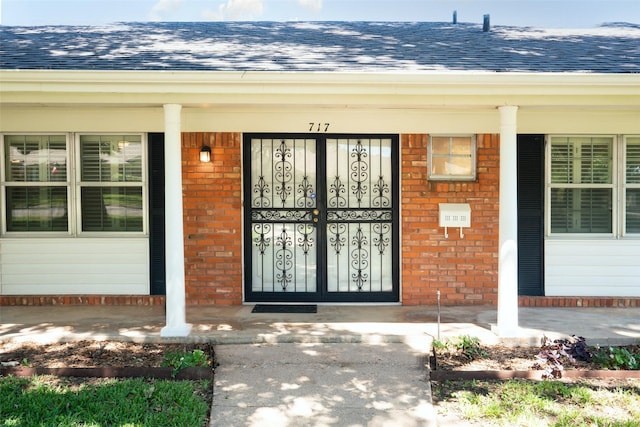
x=205, y=154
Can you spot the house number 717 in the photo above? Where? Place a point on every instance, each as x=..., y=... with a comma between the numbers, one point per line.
x=318, y=127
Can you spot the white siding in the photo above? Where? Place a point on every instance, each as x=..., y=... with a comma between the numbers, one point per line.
x=595, y=268
x=47, y=266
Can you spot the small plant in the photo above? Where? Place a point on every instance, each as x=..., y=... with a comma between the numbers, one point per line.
x=440, y=345
x=554, y=354
x=616, y=358
x=470, y=347
x=181, y=360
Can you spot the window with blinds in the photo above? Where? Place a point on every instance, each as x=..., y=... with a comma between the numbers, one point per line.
x=35, y=183
x=581, y=184
x=103, y=190
x=632, y=185
x=111, y=179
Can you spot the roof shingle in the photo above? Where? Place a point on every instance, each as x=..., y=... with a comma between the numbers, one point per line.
x=321, y=47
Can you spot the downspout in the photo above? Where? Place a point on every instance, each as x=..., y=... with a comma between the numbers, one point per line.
x=508, y=225
x=176, y=325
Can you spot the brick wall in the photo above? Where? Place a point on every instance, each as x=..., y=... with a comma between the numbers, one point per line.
x=464, y=270
x=212, y=219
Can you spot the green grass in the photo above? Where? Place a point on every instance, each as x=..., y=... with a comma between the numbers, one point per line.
x=38, y=401
x=544, y=403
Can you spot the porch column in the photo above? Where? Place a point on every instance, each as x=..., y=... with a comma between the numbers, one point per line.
x=176, y=325
x=508, y=227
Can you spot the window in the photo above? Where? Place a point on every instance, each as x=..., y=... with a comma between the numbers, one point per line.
x=111, y=182
x=452, y=158
x=583, y=189
x=632, y=185
x=36, y=189
x=105, y=193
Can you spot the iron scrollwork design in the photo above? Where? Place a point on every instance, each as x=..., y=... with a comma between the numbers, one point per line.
x=359, y=215
x=283, y=259
x=283, y=171
x=261, y=241
x=337, y=240
x=307, y=193
x=278, y=215
x=381, y=193
x=359, y=172
x=381, y=238
x=336, y=191
x=261, y=188
x=359, y=259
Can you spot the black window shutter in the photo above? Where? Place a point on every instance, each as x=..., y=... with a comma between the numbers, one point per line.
x=156, y=214
x=531, y=215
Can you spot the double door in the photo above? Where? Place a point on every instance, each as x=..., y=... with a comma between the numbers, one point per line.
x=321, y=218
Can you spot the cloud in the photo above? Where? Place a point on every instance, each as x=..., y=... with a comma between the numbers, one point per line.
x=162, y=8
x=312, y=5
x=236, y=10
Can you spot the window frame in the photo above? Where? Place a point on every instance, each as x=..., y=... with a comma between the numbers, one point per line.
x=624, y=186
x=474, y=159
x=74, y=186
x=5, y=184
x=79, y=184
x=618, y=189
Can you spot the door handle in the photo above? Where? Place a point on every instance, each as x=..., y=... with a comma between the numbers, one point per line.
x=315, y=214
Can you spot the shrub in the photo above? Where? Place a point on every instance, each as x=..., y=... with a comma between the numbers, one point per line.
x=470, y=347
x=616, y=358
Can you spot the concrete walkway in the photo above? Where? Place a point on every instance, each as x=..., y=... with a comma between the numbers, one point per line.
x=321, y=385
x=345, y=365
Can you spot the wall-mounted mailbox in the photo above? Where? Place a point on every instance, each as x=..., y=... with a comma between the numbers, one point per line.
x=454, y=215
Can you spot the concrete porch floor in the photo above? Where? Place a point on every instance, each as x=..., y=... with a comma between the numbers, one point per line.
x=331, y=324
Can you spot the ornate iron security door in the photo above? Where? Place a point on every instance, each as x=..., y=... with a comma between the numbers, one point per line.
x=321, y=218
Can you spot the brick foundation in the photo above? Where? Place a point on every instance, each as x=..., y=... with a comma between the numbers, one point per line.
x=525, y=301
x=47, y=300
x=159, y=300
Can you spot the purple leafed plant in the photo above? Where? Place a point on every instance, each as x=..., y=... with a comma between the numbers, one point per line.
x=554, y=354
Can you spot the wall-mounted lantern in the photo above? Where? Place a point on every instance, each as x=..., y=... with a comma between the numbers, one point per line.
x=205, y=154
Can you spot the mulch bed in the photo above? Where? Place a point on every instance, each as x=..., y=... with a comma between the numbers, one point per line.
x=503, y=363
x=111, y=359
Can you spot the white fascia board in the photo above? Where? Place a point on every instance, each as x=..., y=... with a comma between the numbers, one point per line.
x=156, y=87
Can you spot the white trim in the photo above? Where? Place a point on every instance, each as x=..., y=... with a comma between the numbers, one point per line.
x=508, y=224
x=176, y=325
x=618, y=186
x=78, y=184
x=624, y=187
x=385, y=90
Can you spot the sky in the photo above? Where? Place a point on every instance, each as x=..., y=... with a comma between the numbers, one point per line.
x=535, y=13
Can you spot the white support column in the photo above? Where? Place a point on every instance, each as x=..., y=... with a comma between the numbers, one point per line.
x=176, y=325
x=508, y=227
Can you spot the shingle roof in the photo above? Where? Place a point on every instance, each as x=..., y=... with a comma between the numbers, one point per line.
x=321, y=47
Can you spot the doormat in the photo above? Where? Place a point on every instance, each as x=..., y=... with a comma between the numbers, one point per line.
x=269, y=308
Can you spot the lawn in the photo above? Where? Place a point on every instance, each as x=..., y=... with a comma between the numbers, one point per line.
x=540, y=403
x=51, y=401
